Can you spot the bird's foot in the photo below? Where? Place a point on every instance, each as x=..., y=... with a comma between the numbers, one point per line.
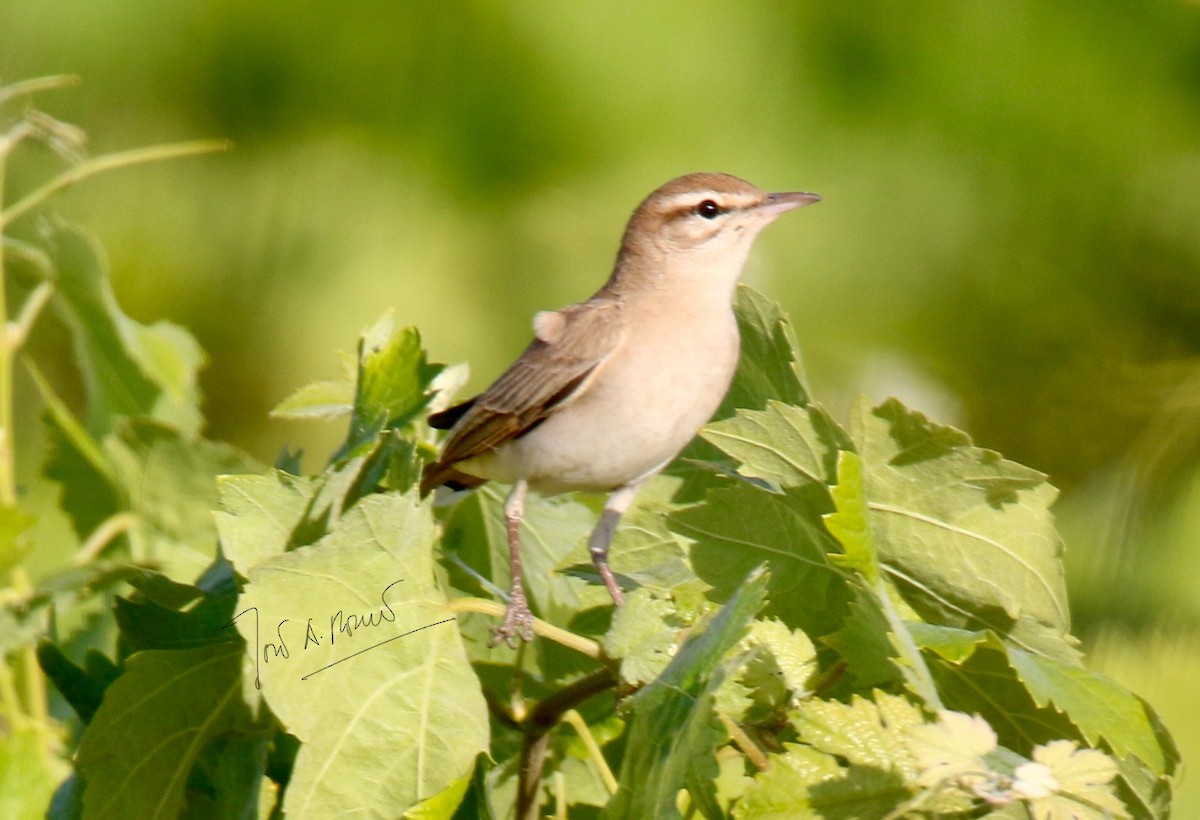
x=517, y=623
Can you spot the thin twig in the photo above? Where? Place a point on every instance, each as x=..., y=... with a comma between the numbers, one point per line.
x=541, y=719
x=585, y=734
x=107, y=162
x=103, y=535
x=547, y=630
x=743, y=742
x=19, y=328
x=24, y=88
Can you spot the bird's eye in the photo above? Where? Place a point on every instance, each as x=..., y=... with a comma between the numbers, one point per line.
x=708, y=209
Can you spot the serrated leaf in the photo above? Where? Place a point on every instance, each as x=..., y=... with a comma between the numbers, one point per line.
x=319, y=400
x=741, y=527
x=987, y=685
x=641, y=637
x=804, y=783
x=673, y=732
x=786, y=658
x=781, y=792
x=180, y=700
x=82, y=686
x=848, y=522
x=769, y=365
x=1070, y=783
x=768, y=369
x=399, y=722
x=145, y=624
x=228, y=779
x=784, y=445
x=394, y=382
x=1098, y=706
x=964, y=529
x=864, y=642
x=128, y=369
x=951, y=750
x=863, y=732
x=259, y=514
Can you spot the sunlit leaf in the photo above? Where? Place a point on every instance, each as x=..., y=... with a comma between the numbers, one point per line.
x=356, y=623
x=673, y=732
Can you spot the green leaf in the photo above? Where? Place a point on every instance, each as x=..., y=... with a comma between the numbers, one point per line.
x=228, y=778
x=170, y=483
x=393, y=382
x=985, y=684
x=952, y=750
x=955, y=645
x=967, y=532
x=551, y=530
x=768, y=369
x=741, y=527
x=1065, y=782
x=319, y=400
x=1101, y=708
x=673, y=733
x=259, y=514
x=769, y=366
x=781, y=666
x=77, y=463
x=356, y=623
x=139, y=749
x=642, y=637
x=784, y=445
x=82, y=686
x=129, y=369
x=643, y=551
x=864, y=642
x=862, y=732
x=848, y=522
x=145, y=624
x=805, y=783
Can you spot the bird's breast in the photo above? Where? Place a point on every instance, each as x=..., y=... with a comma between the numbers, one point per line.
x=642, y=405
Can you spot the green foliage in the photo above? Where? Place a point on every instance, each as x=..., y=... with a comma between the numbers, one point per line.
x=866, y=621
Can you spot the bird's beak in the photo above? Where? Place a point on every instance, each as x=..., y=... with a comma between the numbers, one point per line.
x=777, y=204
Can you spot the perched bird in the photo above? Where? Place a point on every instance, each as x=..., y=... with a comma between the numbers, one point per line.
x=611, y=389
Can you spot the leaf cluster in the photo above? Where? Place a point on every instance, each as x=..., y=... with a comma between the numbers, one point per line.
x=865, y=620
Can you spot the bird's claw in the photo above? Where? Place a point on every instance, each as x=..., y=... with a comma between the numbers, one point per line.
x=517, y=623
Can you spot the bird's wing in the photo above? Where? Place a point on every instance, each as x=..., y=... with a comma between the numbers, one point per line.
x=570, y=344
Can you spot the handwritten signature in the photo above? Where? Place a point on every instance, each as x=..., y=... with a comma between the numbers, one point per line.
x=340, y=623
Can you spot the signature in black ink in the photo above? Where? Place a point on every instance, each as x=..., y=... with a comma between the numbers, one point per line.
x=339, y=624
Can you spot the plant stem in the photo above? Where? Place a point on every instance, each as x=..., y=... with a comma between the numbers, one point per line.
x=579, y=643
x=24, y=88
x=537, y=725
x=585, y=734
x=19, y=328
x=103, y=535
x=8, y=480
x=107, y=162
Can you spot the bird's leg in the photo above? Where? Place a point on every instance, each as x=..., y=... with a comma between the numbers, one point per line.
x=602, y=536
x=518, y=620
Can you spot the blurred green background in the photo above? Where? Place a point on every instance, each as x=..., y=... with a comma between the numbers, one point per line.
x=1010, y=238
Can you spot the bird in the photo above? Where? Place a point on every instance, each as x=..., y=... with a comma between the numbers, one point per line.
x=611, y=389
